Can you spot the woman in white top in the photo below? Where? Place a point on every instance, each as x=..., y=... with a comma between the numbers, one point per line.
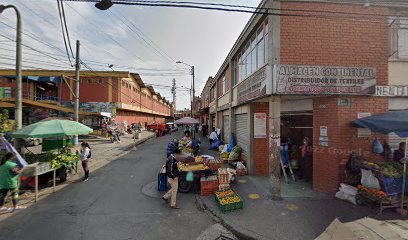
x=84, y=155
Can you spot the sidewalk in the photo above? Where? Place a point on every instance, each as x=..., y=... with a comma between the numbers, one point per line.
x=301, y=214
x=103, y=152
x=295, y=217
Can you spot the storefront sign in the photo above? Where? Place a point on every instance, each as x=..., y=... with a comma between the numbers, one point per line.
x=255, y=86
x=324, y=141
x=391, y=91
x=5, y=92
x=316, y=80
x=259, y=125
x=363, y=132
x=323, y=131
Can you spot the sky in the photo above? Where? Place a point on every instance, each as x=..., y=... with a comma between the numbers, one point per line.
x=144, y=40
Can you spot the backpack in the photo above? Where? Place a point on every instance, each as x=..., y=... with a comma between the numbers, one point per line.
x=90, y=154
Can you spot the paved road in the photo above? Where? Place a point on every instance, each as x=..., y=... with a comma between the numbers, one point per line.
x=111, y=205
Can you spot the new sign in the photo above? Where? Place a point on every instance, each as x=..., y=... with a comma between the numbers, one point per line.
x=391, y=91
x=319, y=80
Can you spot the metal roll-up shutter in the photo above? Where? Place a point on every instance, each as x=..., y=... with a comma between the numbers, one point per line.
x=242, y=131
x=226, y=128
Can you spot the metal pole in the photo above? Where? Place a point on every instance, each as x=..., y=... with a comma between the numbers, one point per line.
x=192, y=112
x=76, y=104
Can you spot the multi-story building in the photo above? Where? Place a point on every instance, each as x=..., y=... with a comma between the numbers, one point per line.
x=205, y=104
x=182, y=113
x=120, y=95
x=307, y=70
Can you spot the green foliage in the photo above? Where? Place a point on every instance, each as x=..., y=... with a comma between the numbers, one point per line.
x=6, y=125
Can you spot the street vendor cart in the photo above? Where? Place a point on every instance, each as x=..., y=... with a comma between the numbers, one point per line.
x=385, y=123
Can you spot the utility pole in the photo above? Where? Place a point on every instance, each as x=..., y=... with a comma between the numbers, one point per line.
x=192, y=73
x=76, y=103
x=173, y=91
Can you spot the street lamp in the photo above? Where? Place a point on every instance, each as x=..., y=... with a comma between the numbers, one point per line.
x=192, y=74
x=18, y=115
x=104, y=5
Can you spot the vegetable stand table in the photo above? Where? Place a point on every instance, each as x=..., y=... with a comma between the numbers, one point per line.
x=37, y=169
x=185, y=186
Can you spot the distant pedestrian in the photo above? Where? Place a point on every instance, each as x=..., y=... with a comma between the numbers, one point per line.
x=9, y=175
x=84, y=156
x=172, y=172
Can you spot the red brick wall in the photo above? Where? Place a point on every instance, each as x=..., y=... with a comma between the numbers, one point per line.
x=337, y=41
x=261, y=146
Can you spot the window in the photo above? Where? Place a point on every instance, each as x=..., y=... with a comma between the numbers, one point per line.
x=89, y=80
x=398, y=37
x=224, y=85
x=100, y=81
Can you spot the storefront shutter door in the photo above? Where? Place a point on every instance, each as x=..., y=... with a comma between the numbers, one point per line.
x=242, y=132
x=226, y=128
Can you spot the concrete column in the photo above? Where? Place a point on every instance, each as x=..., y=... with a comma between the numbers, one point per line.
x=231, y=110
x=274, y=105
x=251, y=139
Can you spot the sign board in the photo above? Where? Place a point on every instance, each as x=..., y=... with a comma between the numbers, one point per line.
x=255, y=86
x=7, y=92
x=259, y=125
x=323, y=131
x=391, y=91
x=363, y=132
x=317, y=80
x=324, y=141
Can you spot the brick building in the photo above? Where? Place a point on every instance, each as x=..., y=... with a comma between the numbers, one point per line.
x=182, y=113
x=308, y=71
x=121, y=95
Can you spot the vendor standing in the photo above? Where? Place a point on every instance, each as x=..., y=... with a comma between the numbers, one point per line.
x=172, y=172
x=400, y=152
x=9, y=174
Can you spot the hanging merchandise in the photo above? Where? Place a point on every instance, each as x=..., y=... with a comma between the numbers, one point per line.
x=377, y=147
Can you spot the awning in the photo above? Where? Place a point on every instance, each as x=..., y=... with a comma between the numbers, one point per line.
x=55, y=80
x=388, y=122
x=106, y=114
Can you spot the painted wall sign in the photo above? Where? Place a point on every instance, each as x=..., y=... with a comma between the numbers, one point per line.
x=257, y=85
x=315, y=80
x=324, y=141
x=391, y=91
x=259, y=125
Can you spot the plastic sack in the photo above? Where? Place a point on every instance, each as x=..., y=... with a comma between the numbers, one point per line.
x=232, y=143
x=347, y=189
x=343, y=196
x=377, y=147
x=369, y=180
x=190, y=177
x=240, y=165
x=224, y=149
x=221, y=148
x=215, y=145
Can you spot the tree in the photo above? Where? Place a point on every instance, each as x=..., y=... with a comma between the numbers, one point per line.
x=6, y=125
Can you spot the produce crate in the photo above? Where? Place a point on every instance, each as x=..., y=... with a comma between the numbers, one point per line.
x=223, y=176
x=214, y=166
x=223, y=187
x=231, y=206
x=232, y=193
x=208, y=186
x=36, y=169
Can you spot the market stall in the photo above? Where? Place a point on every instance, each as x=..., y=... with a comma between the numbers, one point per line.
x=53, y=160
x=389, y=177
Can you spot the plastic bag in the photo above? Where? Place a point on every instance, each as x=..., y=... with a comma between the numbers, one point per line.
x=240, y=165
x=232, y=143
x=190, y=177
x=343, y=196
x=377, y=147
x=347, y=189
x=369, y=180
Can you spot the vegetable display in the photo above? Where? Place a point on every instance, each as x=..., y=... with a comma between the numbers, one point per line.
x=187, y=167
x=373, y=192
x=64, y=158
x=230, y=200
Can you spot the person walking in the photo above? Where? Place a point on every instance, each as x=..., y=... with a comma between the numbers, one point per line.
x=84, y=156
x=172, y=174
x=9, y=175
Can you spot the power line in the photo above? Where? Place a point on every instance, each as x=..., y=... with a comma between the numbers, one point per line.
x=63, y=32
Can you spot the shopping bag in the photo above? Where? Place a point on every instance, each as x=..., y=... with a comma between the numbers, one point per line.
x=190, y=177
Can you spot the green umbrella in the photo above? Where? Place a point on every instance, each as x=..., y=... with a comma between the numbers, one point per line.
x=52, y=128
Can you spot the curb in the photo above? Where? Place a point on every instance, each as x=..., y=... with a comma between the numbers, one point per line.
x=218, y=219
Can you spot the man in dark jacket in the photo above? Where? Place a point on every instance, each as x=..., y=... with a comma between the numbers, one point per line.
x=400, y=152
x=171, y=146
x=172, y=172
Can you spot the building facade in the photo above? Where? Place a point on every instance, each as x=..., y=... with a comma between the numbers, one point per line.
x=182, y=113
x=308, y=71
x=120, y=95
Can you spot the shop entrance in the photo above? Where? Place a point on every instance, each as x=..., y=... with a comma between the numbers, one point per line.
x=296, y=127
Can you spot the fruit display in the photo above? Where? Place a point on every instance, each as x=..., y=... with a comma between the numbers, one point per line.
x=213, y=160
x=230, y=200
x=187, y=167
x=227, y=193
x=373, y=192
x=187, y=150
x=371, y=165
x=64, y=158
x=224, y=155
x=199, y=159
x=392, y=169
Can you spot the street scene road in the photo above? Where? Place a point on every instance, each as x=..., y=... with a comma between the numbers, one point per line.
x=111, y=205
